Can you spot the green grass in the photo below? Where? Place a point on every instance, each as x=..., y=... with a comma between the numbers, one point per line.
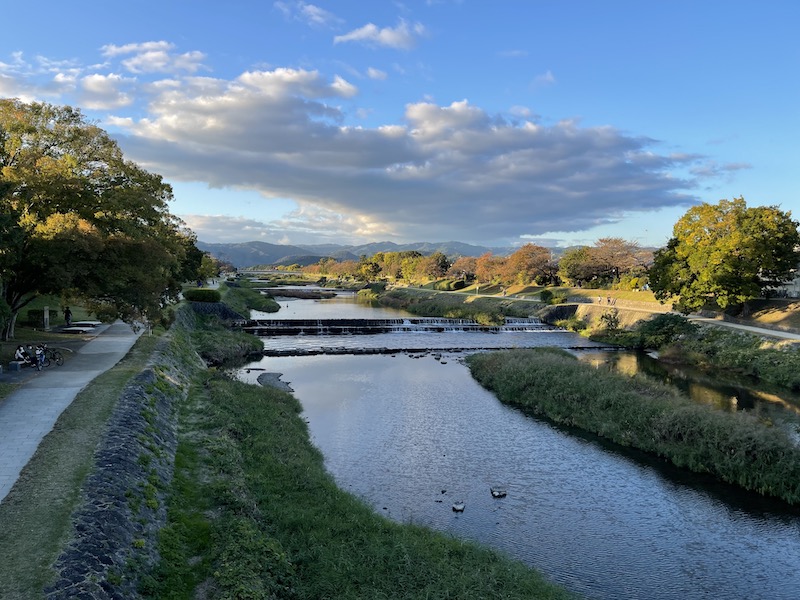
x=643, y=414
x=6, y=389
x=256, y=515
x=35, y=516
x=242, y=299
x=217, y=344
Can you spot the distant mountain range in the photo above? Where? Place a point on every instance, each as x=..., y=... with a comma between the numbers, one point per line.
x=249, y=254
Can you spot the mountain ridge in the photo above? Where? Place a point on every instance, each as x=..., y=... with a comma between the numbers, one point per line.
x=248, y=254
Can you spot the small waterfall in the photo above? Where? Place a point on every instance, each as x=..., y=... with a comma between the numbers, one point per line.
x=268, y=327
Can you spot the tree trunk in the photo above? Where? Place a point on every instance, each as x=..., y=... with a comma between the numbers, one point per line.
x=745, y=310
x=8, y=329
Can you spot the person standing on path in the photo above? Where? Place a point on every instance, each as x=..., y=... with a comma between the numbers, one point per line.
x=68, y=316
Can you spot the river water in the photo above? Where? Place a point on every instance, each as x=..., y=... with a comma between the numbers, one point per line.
x=412, y=434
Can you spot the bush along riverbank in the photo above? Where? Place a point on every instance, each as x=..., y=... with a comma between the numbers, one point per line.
x=241, y=297
x=713, y=348
x=637, y=412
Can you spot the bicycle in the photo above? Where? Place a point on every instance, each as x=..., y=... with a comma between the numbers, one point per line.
x=51, y=355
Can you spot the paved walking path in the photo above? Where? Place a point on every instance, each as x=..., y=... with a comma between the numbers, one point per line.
x=29, y=413
x=776, y=333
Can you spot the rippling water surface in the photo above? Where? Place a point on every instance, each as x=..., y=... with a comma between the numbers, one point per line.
x=413, y=435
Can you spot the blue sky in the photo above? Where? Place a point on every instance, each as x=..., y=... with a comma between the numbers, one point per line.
x=493, y=123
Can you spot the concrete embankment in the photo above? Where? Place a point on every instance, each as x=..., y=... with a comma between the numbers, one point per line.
x=123, y=506
x=628, y=314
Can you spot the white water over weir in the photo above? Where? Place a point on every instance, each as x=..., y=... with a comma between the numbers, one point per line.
x=269, y=327
x=400, y=334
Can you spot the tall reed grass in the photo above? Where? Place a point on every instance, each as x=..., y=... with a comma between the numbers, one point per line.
x=647, y=415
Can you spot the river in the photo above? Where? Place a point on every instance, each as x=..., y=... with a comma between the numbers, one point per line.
x=412, y=434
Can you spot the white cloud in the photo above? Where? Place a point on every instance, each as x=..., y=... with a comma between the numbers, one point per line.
x=514, y=53
x=105, y=92
x=111, y=50
x=402, y=37
x=374, y=73
x=444, y=171
x=545, y=79
x=312, y=15
x=155, y=57
x=343, y=87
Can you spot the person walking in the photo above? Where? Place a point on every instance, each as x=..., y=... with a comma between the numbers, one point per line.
x=68, y=316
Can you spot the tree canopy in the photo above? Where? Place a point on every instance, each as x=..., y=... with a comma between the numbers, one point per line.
x=726, y=254
x=604, y=263
x=80, y=221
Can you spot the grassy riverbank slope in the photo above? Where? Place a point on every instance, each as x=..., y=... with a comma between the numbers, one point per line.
x=638, y=412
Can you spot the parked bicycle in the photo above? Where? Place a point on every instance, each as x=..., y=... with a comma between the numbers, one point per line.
x=50, y=356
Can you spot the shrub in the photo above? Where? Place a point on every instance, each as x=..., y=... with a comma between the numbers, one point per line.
x=610, y=319
x=202, y=295
x=573, y=324
x=449, y=285
x=664, y=329
x=549, y=297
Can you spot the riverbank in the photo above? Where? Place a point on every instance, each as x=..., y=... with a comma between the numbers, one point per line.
x=206, y=485
x=637, y=412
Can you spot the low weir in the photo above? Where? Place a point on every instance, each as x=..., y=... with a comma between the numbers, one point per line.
x=272, y=327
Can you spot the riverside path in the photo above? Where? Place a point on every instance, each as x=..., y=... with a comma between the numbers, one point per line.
x=29, y=413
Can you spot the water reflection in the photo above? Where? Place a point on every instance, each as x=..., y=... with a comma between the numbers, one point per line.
x=728, y=392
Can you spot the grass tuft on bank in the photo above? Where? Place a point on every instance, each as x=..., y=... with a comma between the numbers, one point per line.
x=241, y=297
x=641, y=413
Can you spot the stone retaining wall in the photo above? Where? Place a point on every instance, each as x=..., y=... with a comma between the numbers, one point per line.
x=123, y=508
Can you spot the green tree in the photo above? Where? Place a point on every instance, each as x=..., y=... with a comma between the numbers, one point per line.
x=434, y=266
x=79, y=220
x=725, y=254
x=575, y=265
x=368, y=270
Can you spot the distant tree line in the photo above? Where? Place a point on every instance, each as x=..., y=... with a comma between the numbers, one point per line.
x=720, y=255
x=611, y=261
